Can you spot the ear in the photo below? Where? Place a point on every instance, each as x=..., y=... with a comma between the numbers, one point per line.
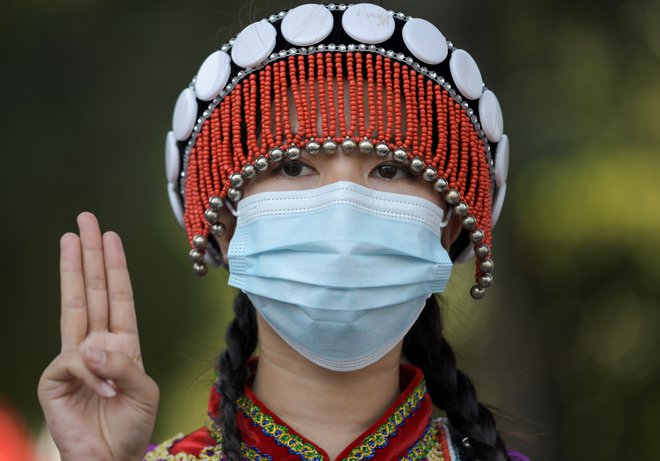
x=229, y=221
x=451, y=232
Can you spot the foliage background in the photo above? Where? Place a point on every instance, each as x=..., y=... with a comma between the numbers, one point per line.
x=565, y=344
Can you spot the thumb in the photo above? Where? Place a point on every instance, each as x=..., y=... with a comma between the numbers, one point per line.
x=129, y=378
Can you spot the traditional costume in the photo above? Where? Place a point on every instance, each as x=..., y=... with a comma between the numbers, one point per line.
x=406, y=432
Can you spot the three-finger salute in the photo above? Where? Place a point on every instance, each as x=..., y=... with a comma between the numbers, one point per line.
x=98, y=401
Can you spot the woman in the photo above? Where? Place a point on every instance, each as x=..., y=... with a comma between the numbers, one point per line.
x=337, y=160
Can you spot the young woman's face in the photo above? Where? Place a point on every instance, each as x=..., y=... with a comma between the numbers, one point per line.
x=368, y=170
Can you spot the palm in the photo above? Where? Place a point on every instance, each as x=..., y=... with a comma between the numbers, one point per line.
x=97, y=315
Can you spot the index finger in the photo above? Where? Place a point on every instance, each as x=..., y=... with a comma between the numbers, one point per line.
x=73, y=321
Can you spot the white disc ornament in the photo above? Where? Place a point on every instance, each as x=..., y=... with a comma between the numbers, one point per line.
x=425, y=41
x=175, y=203
x=254, y=44
x=212, y=75
x=498, y=203
x=172, y=160
x=502, y=161
x=307, y=24
x=368, y=23
x=466, y=74
x=185, y=114
x=490, y=115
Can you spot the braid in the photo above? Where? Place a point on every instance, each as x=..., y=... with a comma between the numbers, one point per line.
x=450, y=389
x=241, y=339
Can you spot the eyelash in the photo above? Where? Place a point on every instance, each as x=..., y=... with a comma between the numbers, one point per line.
x=281, y=170
x=400, y=169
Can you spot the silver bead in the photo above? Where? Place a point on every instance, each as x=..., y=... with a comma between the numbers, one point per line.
x=486, y=280
x=366, y=146
x=430, y=174
x=293, y=153
x=476, y=236
x=276, y=154
x=441, y=185
x=211, y=215
x=313, y=147
x=249, y=171
x=236, y=180
x=477, y=292
x=218, y=229
x=261, y=163
x=348, y=145
x=482, y=251
x=461, y=209
x=382, y=149
x=196, y=256
x=200, y=269
x=234, y=194
x=329, y=146
x=400, y=155
x=199, y=242
x=486, y=265
x=417, y=164
x=216, y=203
x=452, y=196
x=469, y=222
x=465, y=441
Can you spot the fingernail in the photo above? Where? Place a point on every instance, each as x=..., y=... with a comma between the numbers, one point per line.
x=107, y=390
x=96, y=356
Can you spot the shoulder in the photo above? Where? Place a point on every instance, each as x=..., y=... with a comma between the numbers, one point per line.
x=196, y=446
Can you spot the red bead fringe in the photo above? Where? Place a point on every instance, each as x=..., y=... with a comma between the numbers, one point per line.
x=335, y=96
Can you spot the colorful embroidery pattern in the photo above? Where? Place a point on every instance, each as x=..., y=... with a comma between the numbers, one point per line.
x=211, y=453
x=424, y=446
x=434, y=445
x=278, y=432
x=445, y=440
x=379, y=439
x=162, y=451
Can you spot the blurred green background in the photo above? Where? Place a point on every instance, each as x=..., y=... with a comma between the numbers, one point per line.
x=565, y=345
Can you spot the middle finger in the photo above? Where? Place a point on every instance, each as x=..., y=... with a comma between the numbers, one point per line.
x=96, y=286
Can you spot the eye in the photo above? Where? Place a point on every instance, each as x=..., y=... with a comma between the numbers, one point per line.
x=391, y=171
x=294, y=169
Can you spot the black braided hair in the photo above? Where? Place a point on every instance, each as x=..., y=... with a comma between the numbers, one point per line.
x=450, y=389
x=241, y=339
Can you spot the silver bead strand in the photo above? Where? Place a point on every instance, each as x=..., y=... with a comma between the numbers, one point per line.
x=348, y=145
x=366, y=146
x=313, y=147
x=329, y=147
x=382, y=149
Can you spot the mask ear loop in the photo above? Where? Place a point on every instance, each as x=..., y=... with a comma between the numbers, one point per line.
x=446, y=218
x=230, y=207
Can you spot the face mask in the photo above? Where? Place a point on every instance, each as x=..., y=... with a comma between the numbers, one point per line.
x=340, y=272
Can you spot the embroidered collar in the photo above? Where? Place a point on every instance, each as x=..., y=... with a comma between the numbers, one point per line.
x=405, y=432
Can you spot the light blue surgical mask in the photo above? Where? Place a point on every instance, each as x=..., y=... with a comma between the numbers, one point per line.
x=340, y=272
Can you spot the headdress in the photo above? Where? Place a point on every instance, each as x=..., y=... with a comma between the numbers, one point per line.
x=323, y=76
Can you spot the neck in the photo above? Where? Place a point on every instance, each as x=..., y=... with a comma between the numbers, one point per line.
x=327, y=407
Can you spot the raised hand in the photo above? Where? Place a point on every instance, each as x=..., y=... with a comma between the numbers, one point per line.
x=98, y=401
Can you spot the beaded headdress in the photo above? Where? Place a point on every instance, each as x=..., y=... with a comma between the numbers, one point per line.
x=321, y=77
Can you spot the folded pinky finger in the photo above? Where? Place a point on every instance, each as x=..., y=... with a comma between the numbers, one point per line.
x=65, y=374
